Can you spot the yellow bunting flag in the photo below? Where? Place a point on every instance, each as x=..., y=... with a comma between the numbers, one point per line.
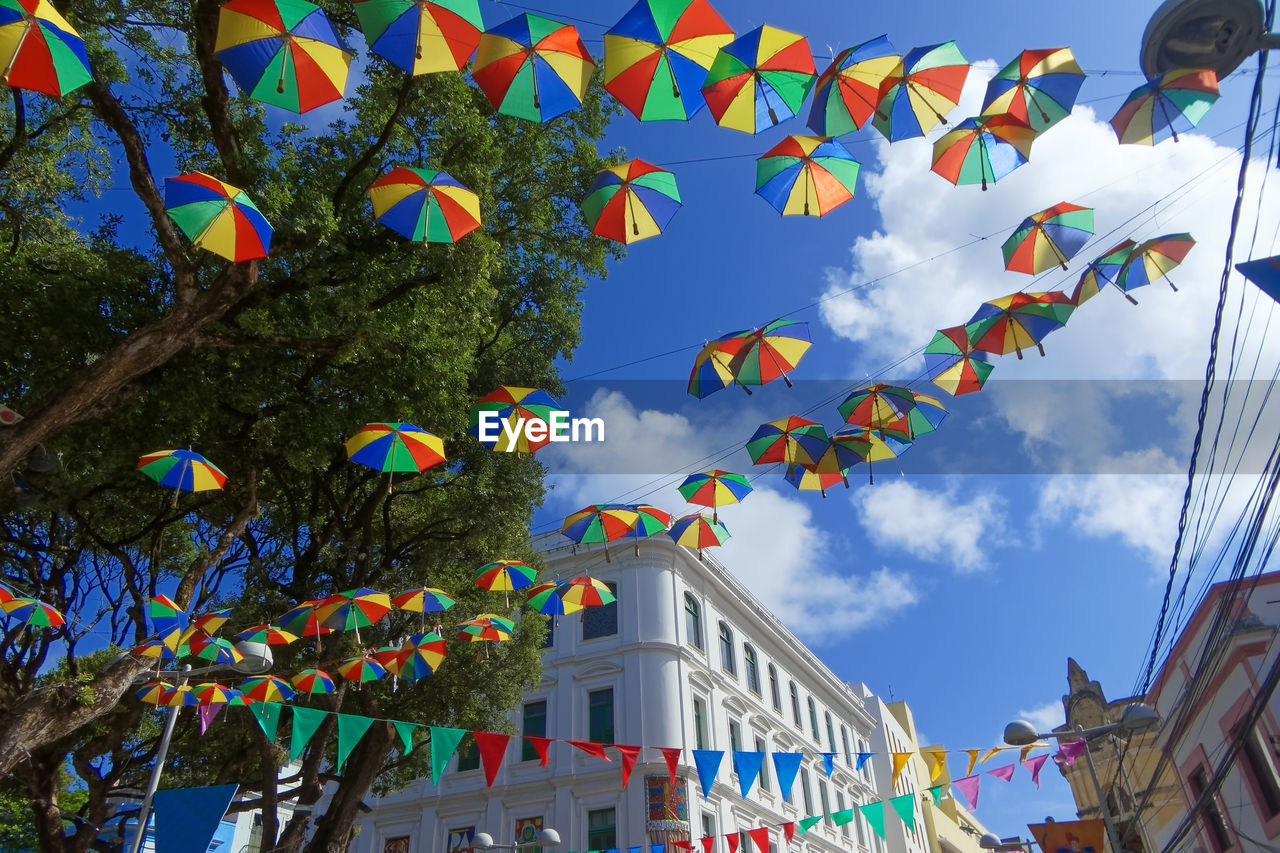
x=990, y=752
x=937, y=761
x=973, y=759
x=1027, y=749
x=899, y=761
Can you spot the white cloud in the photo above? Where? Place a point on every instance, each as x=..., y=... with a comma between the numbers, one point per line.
x=1044, y=717
x=931, y=524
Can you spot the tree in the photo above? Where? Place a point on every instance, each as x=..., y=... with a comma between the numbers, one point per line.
x=121, y=338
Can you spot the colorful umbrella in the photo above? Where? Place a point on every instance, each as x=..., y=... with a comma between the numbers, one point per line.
x=353, y=609
x=361, y=669
x=182, y=696
x=1010, y=323
x=819, y=478
x=5, y=594
x=793, y=440
x=697, y=531
x=1101, y=272
x=770, y=352
x=1160, y=108
x=1039, y=87
x=421, y=36
x=213, y=693
x=217, y=216
x=33, y=612
x=212, y=620
x=153, y=692
x=599, y=523
x=303, y=621
x=806, y=175
x=395, y=447
x=545, y=598
x=631, y=201
x=982, y=148
x=424, y=599
x=505, y=576
x=423, y=205
x=953, y=364
x=870, y=444
x=1153, y=260
x=586, y=591
x=533, y=68
x=266, y=688
x=715, y=489
x=486, y=626
x=649, y=520
x=39, y=50
x=155, y=649
x=917, y=95
x=421, y=655
x=848, y=92
x=893, y=407
x=313, y=681
x=1048, y=238
x=712, y=369
x=283, y=52
x=657, y=55
x=182, y=470
x=268, y=635
x=511, y=405
x=216, y=650
x=759, y=79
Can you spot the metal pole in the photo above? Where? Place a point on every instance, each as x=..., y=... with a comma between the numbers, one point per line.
x=1102, y=800
x=154, y=783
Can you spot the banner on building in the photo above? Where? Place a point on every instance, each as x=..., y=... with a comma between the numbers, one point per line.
x=460, y=840
x=668, y=809
x=399, y=844
x=1072, y=836
x=527, y=830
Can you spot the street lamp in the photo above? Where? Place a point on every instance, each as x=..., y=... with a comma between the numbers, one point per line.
x=1217, y=34
x=991, y=841
x=1135, y=717
x=542, y=838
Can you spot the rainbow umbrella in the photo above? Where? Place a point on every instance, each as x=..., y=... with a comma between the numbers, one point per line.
x=153, y=692
x=267, y=635
x=770, y=352
x=712, y=369
x=586, y=591
x=759, y=79
x=511, y=405
x=533, y=68
x=793, y=440
x=649, y=520
x=182, y=470
x=353, y=609
x=168, y=620
x=871, y=444
x=361, y=669
x=395, y=448
x=848, y=92
x=213, y=693
x=657, y=55
x=212, y=620
x=982, y=148
x=389, y=657
x=505, y=576
x=216, y=650
x=1048, y=238
x=1153, y=260
x=917, y=95
x=820, y=477
x=303, y=621
x=421, y=655
x=283, y=52
x=1101, y=272
x=424, y=599
x=715, y=489
x=423, y=205
x=1039, y=87
x=953, y=364
x=1175, y=101
x=5, y=594
x=421, y=36
x=155, y=649
x=698, y=531
x=1010, y=323
x=266, y=688
x=486, y=627
x=39, y=50
x=313, y=681
x=545, y=598
x=33, y=612
x=181, y=696
x=806, y=175
x=599, y=523
x=893, y=407
x=631, y=201
x=217, y=216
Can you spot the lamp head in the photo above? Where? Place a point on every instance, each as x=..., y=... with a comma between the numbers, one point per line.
x=1020, y=733
x=1217, y=34
x=257, y=658
x=482, y=841
x=1138, y=717
x=989, y=841
x=548, y=837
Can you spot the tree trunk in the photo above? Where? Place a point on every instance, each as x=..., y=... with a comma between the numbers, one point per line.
x=42, y=795
x=333, y=828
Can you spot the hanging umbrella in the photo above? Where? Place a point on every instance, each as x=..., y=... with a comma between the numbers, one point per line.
x=353, y=609
x=770, y=352
x=155, y=649
x=39, y=50
x=599, y=523
x=871, y=444
x=793, y=440
x=181, y=696
x=917, y=95
x=31, y=612
x=953, y=364
x=1010, y=323
x=216, y=650
x=213, y=693
x=1101, y=272
x=848, y=92
x=1048, y=238
x=268, y=635
x=266, y=688
x=819, y=478
x=182, y=470
x=395, y=448
x=505, y=576
x=153, y=692
x=698, y=531
x=283, y=52
x=5, y=594
x=715, y=489
x=1174, y=102
x=361, y=669
x=586, y=591
x=712, y=369
x=486, y=626
x=313, y=681
x=657, y=55
x=217, y=216
x=421, y=36
x=545, y=598
x=533, y=68
x=168, y=620
x=424, y=599
x=511, y=405
x=759, y=79
x=212, y=620
x=424, y=205
x=883, y=406
x=806, y=175
x=389, y=657
x=1153, y=260
x=1039, y=87
x=421, y=655
x=303, y=620
x=981, y=149
x=631, y=201
x=648, y=521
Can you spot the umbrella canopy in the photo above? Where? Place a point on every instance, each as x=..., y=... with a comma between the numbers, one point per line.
x=1101, y=272
x=1039, y=87
x=818, y=478
x=715, y=489
x=648, y=521
x=216, y=650
x=389, y=657
x=893, y=407
x=361, y=669
x=511, y=405
x=283, y=52
x=657, y=55
x=266, y=688
x=953, y=364
x=917, y=95
x=545, y=598
x=423, y=205
x=586, y=591
x=599, y=523
x=1174, y=102
x=1048, y=238
x=182, y=470
x=421, y=655
x=155, y=649
x=1019, y=320
x=213, y=693
x=982, y=149
x=698, y=531
x=39, y=50
x=793, y=440
x=771, y=352
x=33, y=612
x=712, y=369
x=424, y=599
x=268, y=635
x=181, y=696
x=153, y=692
x=395, y=448
x=806, y=175
x=759, y=79
x=505, y=576
x=486, y=626
x=871, y=444
x=353, y=609
x=212, y=620
x=1153, y=260
x=303, y=620
x=848, y=92
x=421, y=36
x=533, y=68
x=217, y=217
x=631, y=201
x=313, y=681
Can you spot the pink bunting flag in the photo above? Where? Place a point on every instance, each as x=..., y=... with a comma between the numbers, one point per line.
x=1004, y=773
x=629, y=756
x=207, y=713
x=707, y=841
x=1034, y=765
x=492, y=746
x=1069, y=752
x=732, y=840
x=760, y=838
x=540, y=745
x=672, y=755
x=590, y=748
x=789, y=831
x=969, y=787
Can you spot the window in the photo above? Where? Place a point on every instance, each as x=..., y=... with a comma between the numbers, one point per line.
x=1212, y=818
x=535, y=723
x=692, y=619
x=773, y=688
x=844, y=741
x=727, y=660
x=601, y=621
x=763, y=778
x=831, y=733
x=600, y=716
x=549, y=638
x=602, y=829
x=753, y=668
x=700, y=723
x=813, y=720
x=844, y=830
x=795, y=705
x=708, y=825
x=1261, y=776
x=822, y=794
x=804, y=789
x=735, y=736
x=468, y=755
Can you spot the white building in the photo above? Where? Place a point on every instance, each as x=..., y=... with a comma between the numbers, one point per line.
x=687, y=658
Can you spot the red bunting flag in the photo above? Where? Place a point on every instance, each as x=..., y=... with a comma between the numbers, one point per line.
x=760, y=837
x=540, y=745
x=707, y=841
x=789, y=831
x=732, y=840
x=492, y=746
x=1034, y=765
x=672, y=754
x=683, y=845
x=590, y=748
x=629, y=756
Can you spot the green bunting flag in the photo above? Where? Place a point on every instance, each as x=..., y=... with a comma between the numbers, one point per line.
x=444, y=742
x=268, y=716
x=305, y=723
x=350, y=729
x=905, y=806
x=936, y=791
x=843, y=817
x=405, y=730
x=809, y=822
x=874, y=813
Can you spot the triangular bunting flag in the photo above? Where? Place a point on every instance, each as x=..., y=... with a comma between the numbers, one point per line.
x=540, y=745
x=590, y=748
x=937, y=762
x=905, y=806
x=900, y=760
x=493, y=747
x=990, y=752
x=789, y=831
x=207, y=713
x=657, y=848
x=628, y=758
x=683, y=845
x=707, y=842
x=809, y=823
x=1034, y=765
x=787, y=765
x=828, y=763
x=444, y=743
x=405, y=731
x=306, y=721
x=874, y=813
x=268, y=716
x=732, y=840
x=747, y=765
x=936, y=790
x=1026, y=750
x=969, y=787
x=973, y=760
x=350, y=729
x=1069, y=752
x=635, y=849
x=862, y=759
x=672, y=754
x=760, y=838
x=187, y=818
x=708, y=764
x=1005, y=773
x=840, y=818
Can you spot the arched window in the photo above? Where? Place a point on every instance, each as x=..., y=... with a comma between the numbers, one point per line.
x=813, y=720
x=773, y=688
x=728, y=660
x=692, y=620
x=753, y=668
x=795, y=705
